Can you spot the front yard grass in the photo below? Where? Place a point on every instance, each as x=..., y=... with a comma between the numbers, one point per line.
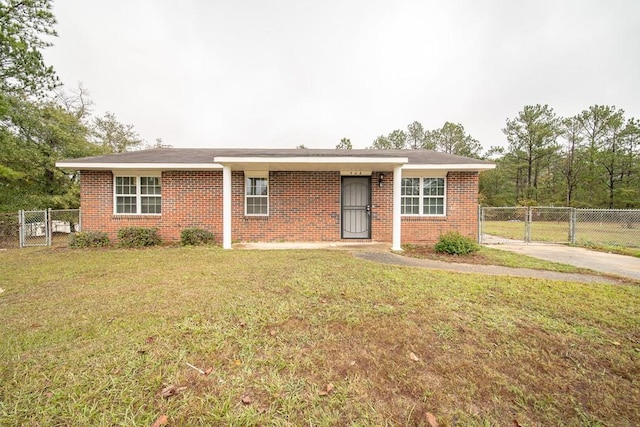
x=92, y=337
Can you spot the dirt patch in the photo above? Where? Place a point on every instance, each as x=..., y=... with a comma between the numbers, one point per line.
x=428, y=252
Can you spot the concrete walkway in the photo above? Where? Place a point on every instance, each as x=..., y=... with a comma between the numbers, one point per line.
x=619, y=265
x=493, y=270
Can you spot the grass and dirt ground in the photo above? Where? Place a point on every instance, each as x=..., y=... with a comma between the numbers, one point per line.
x=93, y=337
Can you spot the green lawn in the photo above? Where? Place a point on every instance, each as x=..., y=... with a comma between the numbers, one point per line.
x=91, y=337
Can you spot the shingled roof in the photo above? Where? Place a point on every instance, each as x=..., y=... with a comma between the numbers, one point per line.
x=201, y=156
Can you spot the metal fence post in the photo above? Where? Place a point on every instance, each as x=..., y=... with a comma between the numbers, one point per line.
x=48, y=227
x=572, y=226
x=479, y=224
x=21, y=228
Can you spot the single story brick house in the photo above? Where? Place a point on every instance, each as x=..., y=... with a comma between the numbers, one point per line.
x=283, y=195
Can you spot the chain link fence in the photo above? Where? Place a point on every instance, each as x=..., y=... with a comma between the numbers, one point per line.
x=503, y=224
x=607, y=227
x=9, y=230
x=550, y=224
x=602, y=227
x=38, y=228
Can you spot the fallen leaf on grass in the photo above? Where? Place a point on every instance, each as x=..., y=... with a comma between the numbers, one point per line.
x=208, y=370
x=413, y=357
x=150, y=340
x=171, y=390
x=246, y=399
x=272, y=332
x=431, y=419
x=516, y=423
x=328, y=389
x=161, y=421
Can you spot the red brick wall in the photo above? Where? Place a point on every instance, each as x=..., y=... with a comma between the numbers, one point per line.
x=303, y=206
x=189, y=199
x=462, y=212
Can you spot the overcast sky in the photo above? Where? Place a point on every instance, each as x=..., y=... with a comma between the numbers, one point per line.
x=278, y=74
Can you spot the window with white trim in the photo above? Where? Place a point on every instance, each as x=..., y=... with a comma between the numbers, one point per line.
x=423, y=196
x=256, y=196
x=137, y=195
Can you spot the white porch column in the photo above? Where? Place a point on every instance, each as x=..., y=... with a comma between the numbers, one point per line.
x=397, y=191
x=226, y=207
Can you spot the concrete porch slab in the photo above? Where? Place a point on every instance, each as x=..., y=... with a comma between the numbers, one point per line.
x=368, y=246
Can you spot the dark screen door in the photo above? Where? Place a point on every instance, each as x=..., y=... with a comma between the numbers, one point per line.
x=356, y=207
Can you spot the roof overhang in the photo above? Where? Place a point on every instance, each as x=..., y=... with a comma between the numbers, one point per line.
x=470, y=167
x=138, y=166
x=311, y=163
x=283, y=163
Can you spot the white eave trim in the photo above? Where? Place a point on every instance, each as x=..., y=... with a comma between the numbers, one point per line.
x=139, y=166
x=452, y=167
x=314, y=160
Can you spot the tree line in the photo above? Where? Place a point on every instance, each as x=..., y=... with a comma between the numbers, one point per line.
x=40, y=121
x=591, y=159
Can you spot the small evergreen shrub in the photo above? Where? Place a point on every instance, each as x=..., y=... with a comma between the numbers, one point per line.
x=89, y=239
x=453, y=243
x=138, y=237
x=196, y=236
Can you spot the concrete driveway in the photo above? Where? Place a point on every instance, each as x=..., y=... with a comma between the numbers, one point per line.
x=620, y=265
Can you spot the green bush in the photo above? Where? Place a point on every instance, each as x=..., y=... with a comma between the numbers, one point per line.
x=453, y=243
x=196, y=236
x=137, y=237
x=89, y=239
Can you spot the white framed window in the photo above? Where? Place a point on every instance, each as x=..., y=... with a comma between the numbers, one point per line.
x=423, y=196
x=256, y=199
x=137, y=195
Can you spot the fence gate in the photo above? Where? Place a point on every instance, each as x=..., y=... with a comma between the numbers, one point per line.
x=504, y=224
x=34, y=228
x=526, y=224
x=550, y=224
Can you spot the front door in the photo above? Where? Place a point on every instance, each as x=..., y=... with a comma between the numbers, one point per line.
x=356, y=207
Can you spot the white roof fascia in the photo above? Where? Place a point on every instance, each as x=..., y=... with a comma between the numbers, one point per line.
x=452, y=167
x=139, y=166
x=316, y=160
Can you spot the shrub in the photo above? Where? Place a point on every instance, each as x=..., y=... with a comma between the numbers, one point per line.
x=89, y=239
x=453, y=243
x=137, y=237
x=196, y=236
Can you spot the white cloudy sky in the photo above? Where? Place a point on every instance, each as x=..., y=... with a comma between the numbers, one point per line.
x=262, y=73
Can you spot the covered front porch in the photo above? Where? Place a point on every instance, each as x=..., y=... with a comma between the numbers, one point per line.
x=387, y=170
